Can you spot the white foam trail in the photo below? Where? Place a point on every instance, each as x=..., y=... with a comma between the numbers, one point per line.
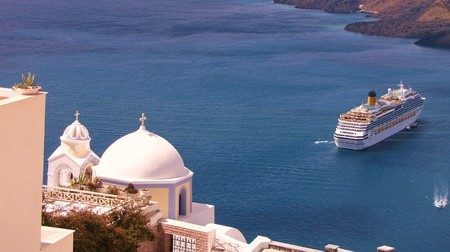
x=323, y=142
x=440, y=196
x=440, y=201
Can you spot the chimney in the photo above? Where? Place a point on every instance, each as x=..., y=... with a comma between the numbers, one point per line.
x=371, y=98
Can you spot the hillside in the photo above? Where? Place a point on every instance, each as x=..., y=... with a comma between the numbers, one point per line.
x=427, y=20
x=333, y=6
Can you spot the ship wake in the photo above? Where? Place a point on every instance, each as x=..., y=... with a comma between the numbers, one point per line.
x=440, y=196
x=324, y=142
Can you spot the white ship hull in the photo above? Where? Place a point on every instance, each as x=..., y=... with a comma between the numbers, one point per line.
x=375, y=138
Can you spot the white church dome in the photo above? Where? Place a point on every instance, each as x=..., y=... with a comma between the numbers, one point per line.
x=142, y=157
x=75, y=131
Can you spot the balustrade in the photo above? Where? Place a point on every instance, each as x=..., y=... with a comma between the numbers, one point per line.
x=87, y=197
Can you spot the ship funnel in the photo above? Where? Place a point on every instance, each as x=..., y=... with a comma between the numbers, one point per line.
x=371, y=98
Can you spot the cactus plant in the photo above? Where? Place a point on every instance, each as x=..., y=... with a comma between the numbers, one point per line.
x=27, y=86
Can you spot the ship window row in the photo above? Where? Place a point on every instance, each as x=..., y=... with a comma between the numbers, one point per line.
x=346, y=141
x=400, y=110
x=341, y=127
x=392, y=116
x=350, y=137
x=353, y=124
x=395, y=121
x=409, y=105
x=349, y=134
x=411, y=102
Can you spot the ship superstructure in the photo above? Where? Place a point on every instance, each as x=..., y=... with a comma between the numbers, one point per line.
x=378, y=119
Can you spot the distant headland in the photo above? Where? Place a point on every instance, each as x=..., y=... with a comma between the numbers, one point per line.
x=426, y=20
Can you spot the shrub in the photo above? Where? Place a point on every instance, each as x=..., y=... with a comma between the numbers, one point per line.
x=129, y=228
x=121, y=230
x=91, y=230
x=79, y=181
x=130, y=189
x=113, y=190
x=94, y=184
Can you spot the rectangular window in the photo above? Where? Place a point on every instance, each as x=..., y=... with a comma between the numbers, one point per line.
x=183, y=244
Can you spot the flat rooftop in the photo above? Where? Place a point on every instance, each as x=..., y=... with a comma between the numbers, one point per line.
x=51, y=235
x=7, y=95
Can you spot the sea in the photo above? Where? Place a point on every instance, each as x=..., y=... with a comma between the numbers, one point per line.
x=249, y=93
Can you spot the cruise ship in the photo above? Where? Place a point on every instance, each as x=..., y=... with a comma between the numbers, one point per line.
x=378, y=119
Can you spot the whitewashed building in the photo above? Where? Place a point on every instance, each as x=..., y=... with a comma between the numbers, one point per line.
x=73, y=158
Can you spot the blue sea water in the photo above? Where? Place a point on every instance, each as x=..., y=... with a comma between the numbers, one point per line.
x=249, y=93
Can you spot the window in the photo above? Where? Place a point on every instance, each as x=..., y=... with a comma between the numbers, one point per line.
x=183, y=244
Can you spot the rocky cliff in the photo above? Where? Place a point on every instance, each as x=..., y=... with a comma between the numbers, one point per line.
x=427, y=20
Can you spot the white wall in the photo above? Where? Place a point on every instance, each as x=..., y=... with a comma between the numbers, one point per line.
x=22, y=120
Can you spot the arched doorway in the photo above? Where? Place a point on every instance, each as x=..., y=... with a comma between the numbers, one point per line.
x=88, y=171
x=65, y=175
x=182, y=202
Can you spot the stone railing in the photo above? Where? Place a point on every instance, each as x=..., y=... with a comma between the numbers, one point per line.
x=290, y=248
x=279, y=246
x=87, y=197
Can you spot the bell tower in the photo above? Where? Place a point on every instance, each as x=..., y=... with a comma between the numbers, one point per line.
x=74, y=157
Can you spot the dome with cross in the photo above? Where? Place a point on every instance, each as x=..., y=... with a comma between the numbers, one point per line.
x=75, y=132
x=74, y=155
x=141, y=157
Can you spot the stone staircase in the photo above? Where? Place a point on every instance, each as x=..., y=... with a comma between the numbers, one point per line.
x=152, y=212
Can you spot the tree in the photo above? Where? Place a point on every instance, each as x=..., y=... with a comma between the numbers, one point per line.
x=120, y=230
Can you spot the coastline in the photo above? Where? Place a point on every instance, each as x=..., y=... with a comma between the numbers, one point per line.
x=428, y=22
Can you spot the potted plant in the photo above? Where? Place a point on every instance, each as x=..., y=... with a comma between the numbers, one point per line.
x=27, y=87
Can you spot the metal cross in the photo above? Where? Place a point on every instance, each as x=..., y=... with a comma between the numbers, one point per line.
x=143, y=119
x=77, y=115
